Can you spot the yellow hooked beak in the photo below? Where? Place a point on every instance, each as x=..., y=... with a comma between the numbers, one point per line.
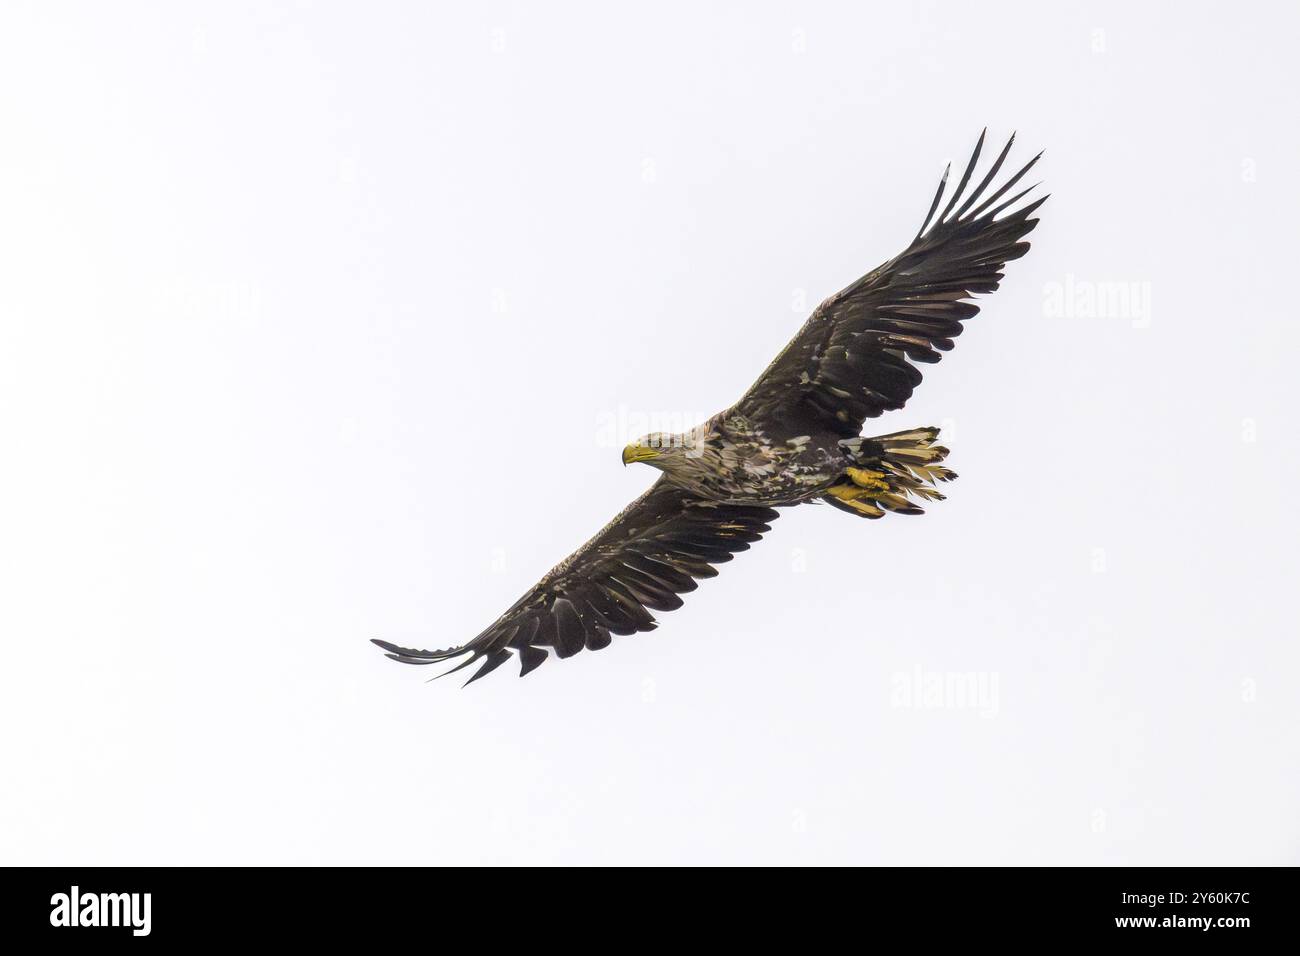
x=635, y=452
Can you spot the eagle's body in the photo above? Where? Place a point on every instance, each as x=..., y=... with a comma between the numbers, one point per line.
x=792, y=438
x=731, y=460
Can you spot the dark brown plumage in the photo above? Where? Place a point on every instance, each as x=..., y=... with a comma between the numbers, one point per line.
x=855, y=356
x=651, y=552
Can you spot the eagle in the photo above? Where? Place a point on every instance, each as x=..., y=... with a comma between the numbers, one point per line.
x=794, y=437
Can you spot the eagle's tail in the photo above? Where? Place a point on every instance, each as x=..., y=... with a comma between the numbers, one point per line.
x=890, y=473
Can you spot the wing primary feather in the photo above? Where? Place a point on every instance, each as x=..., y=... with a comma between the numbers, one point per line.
x=965, y=177
x=493, y=661
x=1006, y=186
x=1020, y=195
x=409, y=655
x=473, y=656
x=988, y=178
x=935, y=204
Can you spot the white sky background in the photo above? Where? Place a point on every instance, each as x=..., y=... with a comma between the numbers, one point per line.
x=313, y=319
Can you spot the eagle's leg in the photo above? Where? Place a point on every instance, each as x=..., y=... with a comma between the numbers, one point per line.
x=866, y=478
x=887, y=472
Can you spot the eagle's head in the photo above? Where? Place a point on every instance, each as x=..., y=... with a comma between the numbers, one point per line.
x=664, y=451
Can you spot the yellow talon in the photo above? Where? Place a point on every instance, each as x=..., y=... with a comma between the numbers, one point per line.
x=868, y=479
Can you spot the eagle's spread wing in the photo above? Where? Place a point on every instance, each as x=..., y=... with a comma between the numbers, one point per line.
x=855, y=356
x=651, y=552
